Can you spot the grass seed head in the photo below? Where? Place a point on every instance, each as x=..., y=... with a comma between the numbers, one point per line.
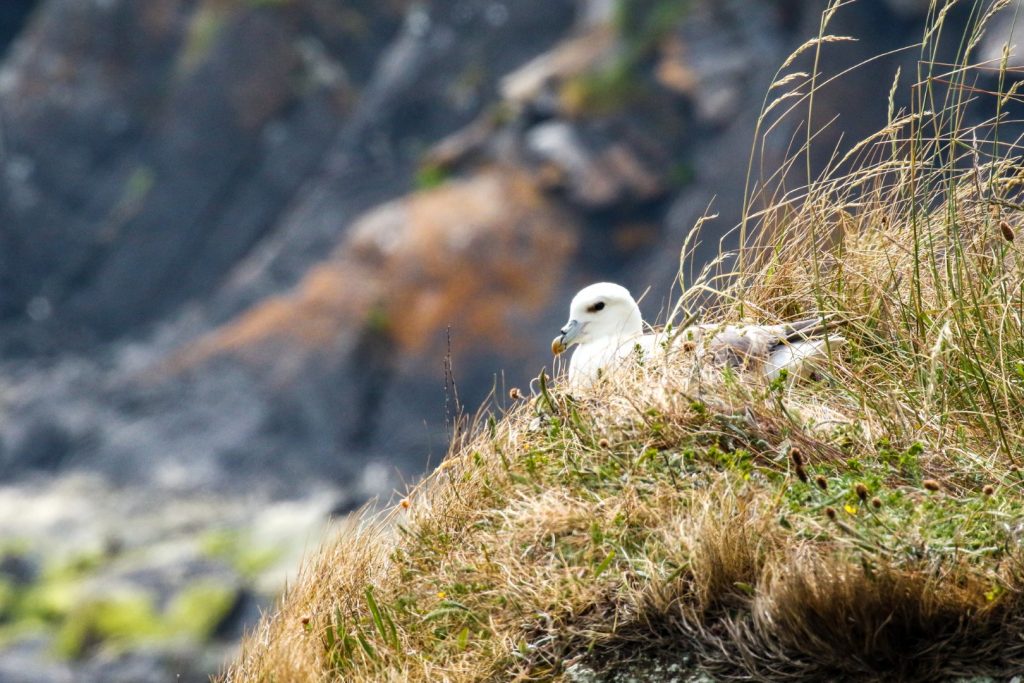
x=798, y=464
x=1006, y=230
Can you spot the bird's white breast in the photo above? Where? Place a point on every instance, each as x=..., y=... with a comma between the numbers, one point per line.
x=591, y=360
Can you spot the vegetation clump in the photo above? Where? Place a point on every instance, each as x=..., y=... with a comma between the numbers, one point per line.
x=866, y=525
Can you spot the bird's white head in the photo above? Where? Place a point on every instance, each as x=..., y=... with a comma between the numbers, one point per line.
x=602, y=311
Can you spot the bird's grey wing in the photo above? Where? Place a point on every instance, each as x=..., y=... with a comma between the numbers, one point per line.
x=801, y=330
x=736, y=346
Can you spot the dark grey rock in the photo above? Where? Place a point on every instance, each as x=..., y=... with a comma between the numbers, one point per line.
x=45, y=445
x=18, y=568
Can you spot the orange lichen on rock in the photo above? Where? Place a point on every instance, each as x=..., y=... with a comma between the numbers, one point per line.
x=474, y=255
x=311, y=317
x=477, y=254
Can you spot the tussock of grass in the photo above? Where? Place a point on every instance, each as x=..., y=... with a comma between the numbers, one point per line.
x=863, y=526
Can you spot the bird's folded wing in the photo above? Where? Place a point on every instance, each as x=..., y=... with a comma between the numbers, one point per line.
x=805, y=329
x=738, y=345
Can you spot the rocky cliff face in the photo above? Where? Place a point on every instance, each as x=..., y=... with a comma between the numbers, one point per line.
x=241, y=242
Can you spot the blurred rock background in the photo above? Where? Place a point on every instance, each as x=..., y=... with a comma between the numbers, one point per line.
x=241, y=241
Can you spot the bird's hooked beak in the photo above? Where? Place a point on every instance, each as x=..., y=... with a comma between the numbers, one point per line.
x=570, y=335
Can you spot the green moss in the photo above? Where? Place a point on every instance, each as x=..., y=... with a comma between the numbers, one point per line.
x=47, y=602
x=117, y=621
x=244, y=556
x=207, y=23
x=501, y=114
x=378, y=320
x=603, y=91
x=642, y=24
x=76, y=566
x=221, y=543
x=15, y=547
x=50, y=599
x=61, y=603
x=199, y=609
x=430, y=176
x=681, y=174
x=139, y=184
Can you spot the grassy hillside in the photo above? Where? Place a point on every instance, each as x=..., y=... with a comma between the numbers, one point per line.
x=867, y=525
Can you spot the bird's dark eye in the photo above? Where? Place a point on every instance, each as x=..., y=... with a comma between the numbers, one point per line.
x=596, y=307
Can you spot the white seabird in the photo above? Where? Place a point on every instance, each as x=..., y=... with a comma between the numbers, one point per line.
x=606, y=326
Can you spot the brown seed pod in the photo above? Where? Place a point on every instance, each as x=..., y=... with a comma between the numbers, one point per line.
x=988, y=490
x=862, y=491
x=830, y=512
x=796, y=457
x=822, y=482
x=604, y=443
x=1006, y=230
x=876, y=503
x=930, y=484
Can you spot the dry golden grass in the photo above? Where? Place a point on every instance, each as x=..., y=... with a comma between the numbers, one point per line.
x=864, y=527
x=605, y=529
